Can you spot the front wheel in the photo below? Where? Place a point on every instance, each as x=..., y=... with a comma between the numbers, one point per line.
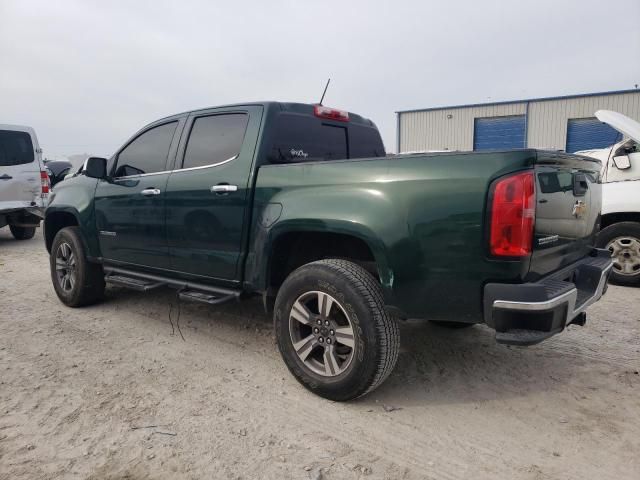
x=77, y=281
x=623, y=241
x=333, y=330
x=22, y=233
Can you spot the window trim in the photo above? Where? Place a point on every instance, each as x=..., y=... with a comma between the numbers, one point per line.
x=192, y=123
x=114, y=168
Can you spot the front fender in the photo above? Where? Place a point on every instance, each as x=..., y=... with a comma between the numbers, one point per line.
x=74, y=197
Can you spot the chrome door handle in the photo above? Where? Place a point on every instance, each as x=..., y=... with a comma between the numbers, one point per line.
x=223, y=188
x=147, y=192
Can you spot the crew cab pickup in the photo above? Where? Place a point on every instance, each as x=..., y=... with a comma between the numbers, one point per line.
x=300, y=204
x=620, y=225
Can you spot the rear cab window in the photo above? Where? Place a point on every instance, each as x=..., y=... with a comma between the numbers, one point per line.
x=305, y=138
x=16, y=148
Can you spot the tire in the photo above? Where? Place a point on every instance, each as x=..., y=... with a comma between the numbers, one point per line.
x=623, y=240
x=84, y=283
x=452, y=325
x=22, y=233
x=356, y=316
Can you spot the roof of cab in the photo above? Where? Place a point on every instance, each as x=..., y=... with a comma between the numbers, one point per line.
x=291, y=107
x=17, y=128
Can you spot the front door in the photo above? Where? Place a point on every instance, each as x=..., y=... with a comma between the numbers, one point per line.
x=208, y=192
x=130, y=206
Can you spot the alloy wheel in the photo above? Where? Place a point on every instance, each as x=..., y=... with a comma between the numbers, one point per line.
x=65, y=267
x=321, y=333
x=625, y=252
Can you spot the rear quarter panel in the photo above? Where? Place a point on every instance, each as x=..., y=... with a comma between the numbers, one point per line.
x=422, y=216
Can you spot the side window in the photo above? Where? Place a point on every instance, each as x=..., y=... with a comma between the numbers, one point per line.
x=147, y=153
x=215, y=139
x=553, y=182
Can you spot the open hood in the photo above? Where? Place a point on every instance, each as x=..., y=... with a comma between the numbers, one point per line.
x=621, y=123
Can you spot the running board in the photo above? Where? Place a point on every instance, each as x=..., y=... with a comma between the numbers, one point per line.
x=139, y=284
x=142, y=282
x=207, y=297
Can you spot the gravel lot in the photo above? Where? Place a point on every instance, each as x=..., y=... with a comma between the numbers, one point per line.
x=108, y=392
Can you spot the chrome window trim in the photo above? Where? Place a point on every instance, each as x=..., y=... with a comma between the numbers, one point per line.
x=176, y=170
x=206, y=166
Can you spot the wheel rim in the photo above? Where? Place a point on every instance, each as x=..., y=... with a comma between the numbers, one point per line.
x=321, y=333
x=65, y=267
x=625, y=252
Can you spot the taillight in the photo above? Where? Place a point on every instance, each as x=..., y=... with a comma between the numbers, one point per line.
x=513, y=211
x=44, y=182
x=330, y=113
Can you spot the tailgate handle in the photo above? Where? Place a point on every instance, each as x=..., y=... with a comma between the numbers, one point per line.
x=6, y=177
x=580, y=184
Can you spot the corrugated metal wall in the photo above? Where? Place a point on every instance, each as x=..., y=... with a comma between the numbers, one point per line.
x=433, y=130
x=547, y=121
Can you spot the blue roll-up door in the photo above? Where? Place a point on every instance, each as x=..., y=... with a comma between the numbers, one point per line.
x=590, y=133
x=501, y=133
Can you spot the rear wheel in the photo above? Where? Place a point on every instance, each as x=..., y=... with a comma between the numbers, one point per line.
x=22, y=233
x=77, y=281
x=623, y=241
x=333, y=330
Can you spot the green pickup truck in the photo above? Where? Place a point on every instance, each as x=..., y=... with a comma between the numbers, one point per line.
x=301, y=205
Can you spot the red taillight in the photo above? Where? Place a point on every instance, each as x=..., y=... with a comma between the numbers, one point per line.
x=44, y=181
x=513, y=212
x=330, y=113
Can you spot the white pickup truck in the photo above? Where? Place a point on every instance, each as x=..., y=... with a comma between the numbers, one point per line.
x=620, y=225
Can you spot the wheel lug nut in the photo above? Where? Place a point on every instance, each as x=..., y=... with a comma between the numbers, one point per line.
x=321, y=339
x=329, y=341
x=316, y=330
x=319, y=322
x=332, y=332
x=326, y=322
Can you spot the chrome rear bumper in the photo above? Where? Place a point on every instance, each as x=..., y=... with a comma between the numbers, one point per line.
x=525, y=314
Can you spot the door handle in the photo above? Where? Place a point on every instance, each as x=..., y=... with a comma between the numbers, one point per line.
x=224, y=188
x=6, y=177
x=147, y=192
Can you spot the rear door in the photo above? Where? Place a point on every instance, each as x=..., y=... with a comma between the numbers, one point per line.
x=20, y=184
x=208, y=192
x=569, y=199
x=130, y=206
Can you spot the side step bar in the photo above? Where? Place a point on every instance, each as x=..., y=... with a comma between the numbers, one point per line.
x=196, y=292
x=196, y=296
x=138, y=284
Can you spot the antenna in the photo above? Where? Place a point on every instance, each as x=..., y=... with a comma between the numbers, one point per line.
x=325, y=91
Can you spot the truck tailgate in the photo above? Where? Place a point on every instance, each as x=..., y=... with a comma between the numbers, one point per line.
x=568, y=202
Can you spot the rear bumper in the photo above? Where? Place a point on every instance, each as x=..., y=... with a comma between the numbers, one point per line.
x=22, y=217
x=528, y=313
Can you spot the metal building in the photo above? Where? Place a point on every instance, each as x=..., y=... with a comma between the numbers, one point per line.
x=555, y=123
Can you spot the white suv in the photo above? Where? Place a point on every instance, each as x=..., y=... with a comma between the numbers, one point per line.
x=24, y=183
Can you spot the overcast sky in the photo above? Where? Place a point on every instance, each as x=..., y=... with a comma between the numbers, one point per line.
x=88, y=74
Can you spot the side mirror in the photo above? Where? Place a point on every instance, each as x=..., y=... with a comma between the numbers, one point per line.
x=96, y=167
x=622, y=162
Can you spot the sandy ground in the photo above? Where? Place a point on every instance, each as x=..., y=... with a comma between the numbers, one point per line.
x=108, y=392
